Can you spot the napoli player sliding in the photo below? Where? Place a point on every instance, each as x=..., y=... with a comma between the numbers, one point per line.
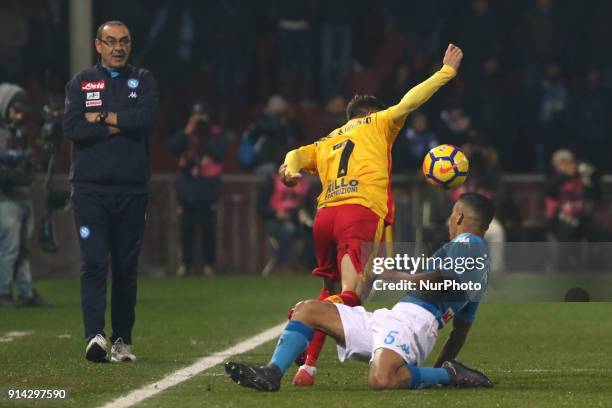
x=354, y=165
x=396, y=341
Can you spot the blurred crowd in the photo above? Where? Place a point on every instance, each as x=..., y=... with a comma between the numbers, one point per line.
x=529, y=85
x=537, y=74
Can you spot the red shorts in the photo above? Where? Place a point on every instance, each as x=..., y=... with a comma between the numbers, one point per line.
x=341, y=230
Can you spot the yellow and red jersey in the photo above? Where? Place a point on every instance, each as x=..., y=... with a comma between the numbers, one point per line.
x=354, y=161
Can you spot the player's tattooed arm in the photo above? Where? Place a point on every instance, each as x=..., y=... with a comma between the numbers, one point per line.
x=418, y=95
x=455, y=342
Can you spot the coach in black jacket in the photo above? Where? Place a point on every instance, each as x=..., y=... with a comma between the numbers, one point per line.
x=108, y=116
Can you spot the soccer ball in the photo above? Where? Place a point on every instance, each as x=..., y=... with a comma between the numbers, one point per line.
x=445, y=167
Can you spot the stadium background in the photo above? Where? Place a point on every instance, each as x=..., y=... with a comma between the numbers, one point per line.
x=537, y=76
x=519, y=105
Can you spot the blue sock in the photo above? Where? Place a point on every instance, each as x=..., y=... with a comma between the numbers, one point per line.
x=292, y=342
x=425, y=377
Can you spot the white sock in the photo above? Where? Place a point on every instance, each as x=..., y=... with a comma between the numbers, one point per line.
x=309, y=369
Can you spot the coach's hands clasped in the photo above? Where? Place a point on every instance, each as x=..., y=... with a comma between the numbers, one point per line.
x=453, y=56
x=289, y=179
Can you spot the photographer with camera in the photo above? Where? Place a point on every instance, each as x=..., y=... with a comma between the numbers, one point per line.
x=201, y=147
x=16, y=210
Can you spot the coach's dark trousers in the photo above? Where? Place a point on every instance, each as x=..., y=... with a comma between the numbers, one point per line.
x=109, y=222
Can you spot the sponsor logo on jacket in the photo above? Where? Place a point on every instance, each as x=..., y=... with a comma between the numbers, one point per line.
x=93, y=86
x=96, y=102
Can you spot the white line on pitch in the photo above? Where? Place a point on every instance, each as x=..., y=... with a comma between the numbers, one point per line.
x=10, y=336
x=200, y=365
x=554, y=371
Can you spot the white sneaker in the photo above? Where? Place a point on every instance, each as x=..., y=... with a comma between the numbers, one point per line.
x=181, y=271
x=208, y=271
x=121, y=352
x=96, y=349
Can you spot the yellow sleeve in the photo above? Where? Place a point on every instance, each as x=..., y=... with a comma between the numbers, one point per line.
x=386, y=125
x=418, y=95
x=304, y=157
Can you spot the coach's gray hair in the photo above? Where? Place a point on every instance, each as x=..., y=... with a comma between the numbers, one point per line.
x=111, y=23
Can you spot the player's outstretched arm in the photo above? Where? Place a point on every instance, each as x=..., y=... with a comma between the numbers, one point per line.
x=418, y=95
x=301, y=158
x=455, y=342
x=290, y=179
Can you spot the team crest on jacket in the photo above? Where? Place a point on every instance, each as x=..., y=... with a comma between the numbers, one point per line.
x=132, y=83
x=84, y=232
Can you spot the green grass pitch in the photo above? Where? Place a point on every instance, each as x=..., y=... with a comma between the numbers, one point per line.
x=539, y=354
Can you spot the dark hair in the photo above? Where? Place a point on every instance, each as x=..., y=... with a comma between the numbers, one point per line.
x=482, y=205
x=360, y=105
x=111, y=23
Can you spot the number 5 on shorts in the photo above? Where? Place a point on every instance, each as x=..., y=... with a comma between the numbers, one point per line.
x=390, y=339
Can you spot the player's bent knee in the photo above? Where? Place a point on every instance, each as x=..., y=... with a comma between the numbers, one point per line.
x=379, y=380
x=304, y=310
x=312, y=312
x=298, y=304
x=383, y=370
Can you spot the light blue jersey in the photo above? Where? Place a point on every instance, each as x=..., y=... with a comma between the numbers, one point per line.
x=465, y=261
